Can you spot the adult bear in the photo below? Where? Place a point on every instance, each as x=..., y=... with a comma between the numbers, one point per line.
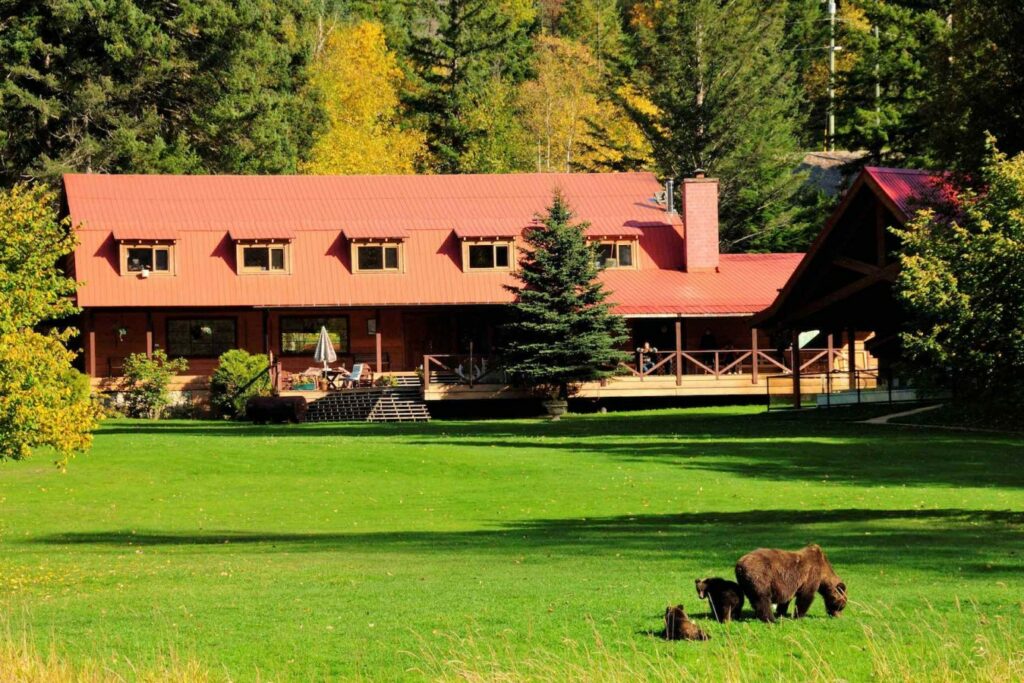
x=775, y=576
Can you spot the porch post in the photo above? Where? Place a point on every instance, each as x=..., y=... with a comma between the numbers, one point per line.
x=149, y=334
x=90, y=344
x=380, y=354
x=851, y=350
x=426, y=372
x=753, y=355
x=795, y=351
x=679, y=352
x=266, y=331
x=828, y=369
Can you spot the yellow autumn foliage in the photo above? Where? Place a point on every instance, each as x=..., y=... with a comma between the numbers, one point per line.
x=573, y=122
x=359, y=79
x=44, y=401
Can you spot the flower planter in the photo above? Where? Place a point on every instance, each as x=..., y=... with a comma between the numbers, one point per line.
x=555, y=408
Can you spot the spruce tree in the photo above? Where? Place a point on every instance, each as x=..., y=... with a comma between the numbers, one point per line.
x=562, y=331
x=723, y=90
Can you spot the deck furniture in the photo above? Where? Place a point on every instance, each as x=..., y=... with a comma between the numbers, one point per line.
x=336, y=378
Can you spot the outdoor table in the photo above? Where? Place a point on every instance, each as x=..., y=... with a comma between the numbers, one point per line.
x=335, y=378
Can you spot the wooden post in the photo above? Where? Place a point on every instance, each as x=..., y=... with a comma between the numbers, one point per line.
x=753, y=355
x=426, y=373
x=90, y=344
x=795, y=351
x=149, y=335
x=828, y=369
x=380, y=353
x=266, y=332
x=679, y=352
x=851, y=350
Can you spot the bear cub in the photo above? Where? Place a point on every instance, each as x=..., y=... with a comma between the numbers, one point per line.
x=725, y=597
x=679, y=627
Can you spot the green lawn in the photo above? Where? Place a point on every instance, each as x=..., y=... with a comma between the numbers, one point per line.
x=522, y=548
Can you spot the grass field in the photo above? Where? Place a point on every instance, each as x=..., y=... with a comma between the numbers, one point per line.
x=511, y=550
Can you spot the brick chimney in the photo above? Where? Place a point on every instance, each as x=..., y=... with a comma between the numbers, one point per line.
x=700, y=223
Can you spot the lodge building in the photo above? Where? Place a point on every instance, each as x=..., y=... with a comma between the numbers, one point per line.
x=409, y=275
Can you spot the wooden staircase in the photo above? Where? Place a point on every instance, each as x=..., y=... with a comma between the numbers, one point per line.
x=403, y=403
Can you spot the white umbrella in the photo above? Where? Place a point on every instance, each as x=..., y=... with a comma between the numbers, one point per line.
x=324, y=352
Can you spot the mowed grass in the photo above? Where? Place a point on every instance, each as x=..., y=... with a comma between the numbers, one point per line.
x=509, y=550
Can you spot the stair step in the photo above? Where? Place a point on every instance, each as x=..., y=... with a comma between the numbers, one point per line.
x=384, y=404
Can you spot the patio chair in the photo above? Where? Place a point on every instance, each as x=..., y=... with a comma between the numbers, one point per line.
x=355, y=376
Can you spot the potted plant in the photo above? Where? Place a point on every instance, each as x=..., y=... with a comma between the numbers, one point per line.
x=120, y=332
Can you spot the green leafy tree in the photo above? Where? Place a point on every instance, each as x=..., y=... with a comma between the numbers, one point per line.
x=724, y=101
x=146, y=380
x=459, y=48
x=43, y=400
x=598, y=25
x=239, y=376
x=979, y=83
x=145, y=86
x=562, y=330
x=886, y=74
x=962, y=284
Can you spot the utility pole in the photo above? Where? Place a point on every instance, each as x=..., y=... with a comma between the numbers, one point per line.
x=878, y=82
x=830, y=142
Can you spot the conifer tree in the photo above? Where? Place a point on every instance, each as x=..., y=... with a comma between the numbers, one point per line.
x=723, y=92
x=562, y=330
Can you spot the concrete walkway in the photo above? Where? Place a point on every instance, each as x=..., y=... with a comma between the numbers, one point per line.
x=884, y=419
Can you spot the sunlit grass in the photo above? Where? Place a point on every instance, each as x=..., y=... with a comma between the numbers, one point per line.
x=509, y=550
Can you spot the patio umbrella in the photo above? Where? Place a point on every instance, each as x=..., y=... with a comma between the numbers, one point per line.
x=324, y=352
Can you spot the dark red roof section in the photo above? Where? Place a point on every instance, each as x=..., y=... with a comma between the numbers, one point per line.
x=908, y=189
x=322, y=214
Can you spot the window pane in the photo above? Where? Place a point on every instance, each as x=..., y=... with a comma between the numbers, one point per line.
x=481, y=256
x=371, y=258
x=605, y=252
x=501, y=256
x=391, y=258
x=625, y=254
x=205, y=338
x=277, y=259
x=256, y=258
x=162, y=258
x=300, y=335
x=140, y=258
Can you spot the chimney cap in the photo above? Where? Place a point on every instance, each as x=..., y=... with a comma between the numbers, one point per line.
x=699, y=173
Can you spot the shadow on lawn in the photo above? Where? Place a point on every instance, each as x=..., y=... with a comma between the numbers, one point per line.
x=766, y=446
x=972, y=541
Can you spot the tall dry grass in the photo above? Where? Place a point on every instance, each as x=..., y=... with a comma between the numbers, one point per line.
x=923, y=648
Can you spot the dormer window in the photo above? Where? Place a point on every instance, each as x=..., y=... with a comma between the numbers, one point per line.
x=616, y=254
x=495, y=255
x=261, y=251
x=145, y=257
x=264, y=258
x=378, y=257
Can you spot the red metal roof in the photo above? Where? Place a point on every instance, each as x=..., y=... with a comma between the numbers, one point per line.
x=909, y=189
x=145, y=233
x=432, y=211
x=369, y=231
x=255, y=232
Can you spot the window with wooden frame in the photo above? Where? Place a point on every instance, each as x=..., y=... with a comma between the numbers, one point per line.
x=147, y=258
x=491, y=255
x=616, y=254
x=300, y=334
x=201, y=337
x=377, y=257
x=263, y=257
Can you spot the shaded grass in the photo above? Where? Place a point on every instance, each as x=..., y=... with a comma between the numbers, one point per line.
x=382, y=551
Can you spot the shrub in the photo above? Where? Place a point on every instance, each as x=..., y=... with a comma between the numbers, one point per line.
x=239, y=376
x=147, y=380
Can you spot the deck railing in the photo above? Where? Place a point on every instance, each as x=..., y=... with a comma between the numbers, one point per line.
x=471, y=369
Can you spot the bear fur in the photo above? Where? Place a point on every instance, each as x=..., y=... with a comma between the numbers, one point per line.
x=725, y=597
x=264, y=409
x=768, y=576
x=679, y=627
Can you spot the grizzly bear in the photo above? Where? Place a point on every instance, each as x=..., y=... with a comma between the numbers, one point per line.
x=777, y=576
x=725, y=597
x=679, y=627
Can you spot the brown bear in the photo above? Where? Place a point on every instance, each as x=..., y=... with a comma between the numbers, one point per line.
x=724, y=596
x=777, y=576
x=679, y=627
